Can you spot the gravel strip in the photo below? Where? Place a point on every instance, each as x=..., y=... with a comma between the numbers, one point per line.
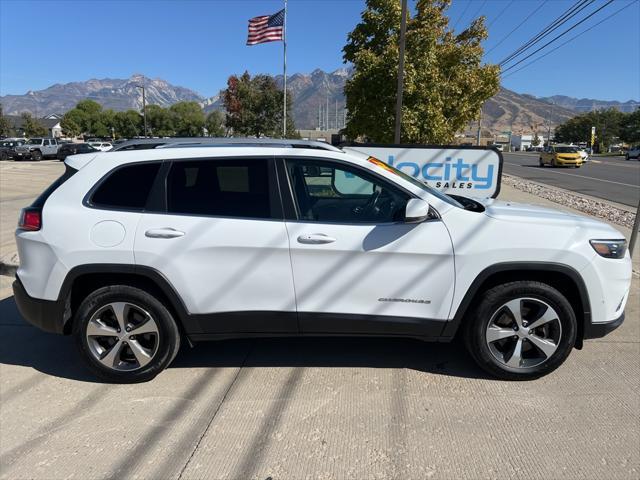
x=586, y=205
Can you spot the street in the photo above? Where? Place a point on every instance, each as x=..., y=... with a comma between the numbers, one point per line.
x=611, y=178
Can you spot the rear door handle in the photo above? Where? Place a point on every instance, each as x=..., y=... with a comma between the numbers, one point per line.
x=166, y=232
x=316, y=239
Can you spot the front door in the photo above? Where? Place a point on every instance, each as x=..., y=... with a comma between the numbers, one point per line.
x=222, y=244
x=357, y=266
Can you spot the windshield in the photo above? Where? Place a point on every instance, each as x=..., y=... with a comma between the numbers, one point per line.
x=423, y=186
x=34, y=141
x=566, y=150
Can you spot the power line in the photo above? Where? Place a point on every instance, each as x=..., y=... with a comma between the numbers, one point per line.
x=558, y=22
x=558, y=36
x=500, y=14
x=570, y=40
x=463, y=12
x=535, y=9
x=477, y=11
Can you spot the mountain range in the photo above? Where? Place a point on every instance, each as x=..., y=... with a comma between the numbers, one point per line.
x=317, y=97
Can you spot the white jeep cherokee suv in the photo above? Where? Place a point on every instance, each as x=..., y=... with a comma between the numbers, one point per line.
x=132, y=251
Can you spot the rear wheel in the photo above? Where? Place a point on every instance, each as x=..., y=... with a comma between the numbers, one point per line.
x=541, y=162
x=125, y=335
x=553, y=163
x=521, y=330
x=4, y=155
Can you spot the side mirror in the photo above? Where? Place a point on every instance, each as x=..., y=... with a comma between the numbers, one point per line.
x=416, y=211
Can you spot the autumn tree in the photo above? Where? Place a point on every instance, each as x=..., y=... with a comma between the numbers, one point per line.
x=445, y=82
x=255, y=107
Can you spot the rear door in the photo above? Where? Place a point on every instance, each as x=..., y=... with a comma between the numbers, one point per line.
x=217, y=234
x=357, y=266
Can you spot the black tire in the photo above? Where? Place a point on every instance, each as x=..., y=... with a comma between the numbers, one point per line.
x=553, y=163
x=626, y=157
x=541, y=162
x=168, y=339
x=36, y=155
x=4, y=156
x=477, y=323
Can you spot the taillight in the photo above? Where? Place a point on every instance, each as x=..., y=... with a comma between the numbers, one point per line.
x=30, y=219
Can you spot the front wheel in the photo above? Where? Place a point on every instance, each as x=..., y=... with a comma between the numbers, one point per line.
x=627, y=157
x=36, y=155
x=521, y=330
x=541, y=162
x=125, y=335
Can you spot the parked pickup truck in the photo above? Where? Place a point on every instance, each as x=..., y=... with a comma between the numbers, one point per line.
x=37, y=149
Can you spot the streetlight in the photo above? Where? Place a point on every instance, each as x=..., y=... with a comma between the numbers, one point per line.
x=144, y=107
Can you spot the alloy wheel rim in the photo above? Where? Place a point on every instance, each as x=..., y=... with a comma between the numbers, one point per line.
x=523, y=333
x=122, y=336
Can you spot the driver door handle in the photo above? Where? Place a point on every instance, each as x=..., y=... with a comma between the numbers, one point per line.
x=316, y=239
x=166, y=232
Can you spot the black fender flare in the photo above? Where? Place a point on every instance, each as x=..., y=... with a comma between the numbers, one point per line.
x=452, y=325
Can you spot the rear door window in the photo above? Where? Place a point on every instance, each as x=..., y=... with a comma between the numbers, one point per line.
x=226, y=187
x=126, y=188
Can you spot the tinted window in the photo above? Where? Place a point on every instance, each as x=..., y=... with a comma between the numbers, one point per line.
x=127, y=187
x=328, y=192
x=231, y=188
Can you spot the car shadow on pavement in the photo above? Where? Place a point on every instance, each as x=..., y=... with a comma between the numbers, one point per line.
x=24, y=345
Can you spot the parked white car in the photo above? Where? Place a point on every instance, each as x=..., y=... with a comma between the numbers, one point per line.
x=205, y=243
x=102, y=146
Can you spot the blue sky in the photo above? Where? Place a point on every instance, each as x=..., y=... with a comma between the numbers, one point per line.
x=198, y=44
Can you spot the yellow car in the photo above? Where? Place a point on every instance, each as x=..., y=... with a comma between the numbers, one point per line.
x=561, y=155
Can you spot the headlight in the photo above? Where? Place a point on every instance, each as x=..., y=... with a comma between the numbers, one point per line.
x=609, y=248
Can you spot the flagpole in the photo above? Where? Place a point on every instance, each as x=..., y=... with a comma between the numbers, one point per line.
x=284, y=40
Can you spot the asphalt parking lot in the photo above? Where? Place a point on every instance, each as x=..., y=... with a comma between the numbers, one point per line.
x=309, y=408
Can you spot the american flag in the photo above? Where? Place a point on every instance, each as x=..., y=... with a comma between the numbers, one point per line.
x=266, y=28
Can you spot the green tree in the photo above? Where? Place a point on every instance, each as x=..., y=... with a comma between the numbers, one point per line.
x=32, y=126
x=6, y=130
x=445, y=82
x=609, y=126
x=630, y=127
x=160, y=121
x=128, y=124
x=254, y=107
x=536, y=140
x=188, y=119
x=215, y=124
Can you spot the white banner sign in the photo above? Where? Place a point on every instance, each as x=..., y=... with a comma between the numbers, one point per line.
x=473, y=172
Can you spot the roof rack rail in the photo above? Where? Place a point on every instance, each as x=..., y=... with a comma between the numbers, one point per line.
x=195, y=142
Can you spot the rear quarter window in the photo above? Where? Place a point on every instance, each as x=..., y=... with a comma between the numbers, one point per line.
x=125, y=188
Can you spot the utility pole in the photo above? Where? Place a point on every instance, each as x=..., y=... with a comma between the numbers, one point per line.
x=144, y=107
x=403, y=30
x=634, y=232
x=549, y=124
x=326, y=114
